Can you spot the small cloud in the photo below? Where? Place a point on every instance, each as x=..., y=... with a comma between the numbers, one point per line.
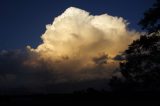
x=101, y=59
x=119, y=57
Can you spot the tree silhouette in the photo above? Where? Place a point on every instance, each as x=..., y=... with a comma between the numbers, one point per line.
x=143, y=61
x=142, y=64
x=151, y=20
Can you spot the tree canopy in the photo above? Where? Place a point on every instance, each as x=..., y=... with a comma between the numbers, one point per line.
x=142, y=64
x=151, y=19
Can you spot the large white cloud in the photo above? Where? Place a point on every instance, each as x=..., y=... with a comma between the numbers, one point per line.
x=77, y=33
x=76, y=38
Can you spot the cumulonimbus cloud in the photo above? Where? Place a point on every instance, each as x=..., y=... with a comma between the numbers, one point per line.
x=77, y=46
x=76, y=38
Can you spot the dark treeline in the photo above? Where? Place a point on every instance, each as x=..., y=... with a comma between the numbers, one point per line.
x=141, y=70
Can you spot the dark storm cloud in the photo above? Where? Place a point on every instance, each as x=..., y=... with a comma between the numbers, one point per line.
x=23, y=70
x=14, y=74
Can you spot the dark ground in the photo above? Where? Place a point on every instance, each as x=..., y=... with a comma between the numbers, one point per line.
x=130, y=98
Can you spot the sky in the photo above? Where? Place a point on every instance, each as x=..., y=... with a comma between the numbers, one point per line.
x=63, y=46
x=23, y=22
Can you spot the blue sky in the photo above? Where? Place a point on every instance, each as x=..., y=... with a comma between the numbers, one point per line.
x=22, y=22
